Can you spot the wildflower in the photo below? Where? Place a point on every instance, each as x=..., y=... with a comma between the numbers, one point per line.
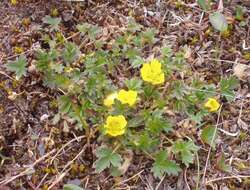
x=13, y=2
x=127, y=97
x=109, y=100
x=115, y=125
x=212, y=105
x=152, y=72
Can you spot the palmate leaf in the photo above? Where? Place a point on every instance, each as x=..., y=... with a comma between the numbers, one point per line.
x=157, y=125
x=186, y=150
x=18, y=66
x=146, y=143
x=106, y=157
x=133, y=84
x=53, y=22
x=162, y=165
x=227, y=86
x=65, y=104
x=44, y=59
x=71, y=52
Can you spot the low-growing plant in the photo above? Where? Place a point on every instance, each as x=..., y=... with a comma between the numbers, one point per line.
x=129, y=94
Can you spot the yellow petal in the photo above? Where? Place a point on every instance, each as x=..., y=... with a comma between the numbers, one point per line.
x=152, y=72
x=127, y=97
x=146, y=72
x=109, y=100
x=155, y=66
x=115, y=125
x=212, y=105
x=159, y=79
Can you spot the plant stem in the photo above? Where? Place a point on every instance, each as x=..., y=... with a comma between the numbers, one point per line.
x=83, y=122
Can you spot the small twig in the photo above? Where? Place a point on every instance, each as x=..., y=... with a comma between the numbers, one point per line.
x=198, y=171
x=124, y=181
x=185, y=178
x=58, y=179
x=40, y=183
x=3, y=73
x=210, y=148
x=158, y=186
x=65, y=145
x=227, y=177
x=228, y=133
x=65, y=170
x=27, y=170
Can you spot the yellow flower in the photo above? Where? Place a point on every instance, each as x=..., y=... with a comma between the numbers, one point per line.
x=115, y=125
x=127, y=97
x=109, y=100
x=13, y=2
x=152, y=73
x=212, y=105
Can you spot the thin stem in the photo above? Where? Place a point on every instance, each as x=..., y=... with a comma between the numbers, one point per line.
x=198, y=171
x=210, y=148
x=83, y=122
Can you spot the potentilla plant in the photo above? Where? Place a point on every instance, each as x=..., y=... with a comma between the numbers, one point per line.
x=122, y=91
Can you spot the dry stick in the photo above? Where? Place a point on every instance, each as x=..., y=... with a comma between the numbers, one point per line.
x=62, y=175
x=27, y=171
x=210, y=148
x=65, y=145
x=122, y=182
x=40, y=183
x=227, y=177
x=58, y=179
x=158, y=186
x=3, y=73
x=198, y=171
x=185, y=179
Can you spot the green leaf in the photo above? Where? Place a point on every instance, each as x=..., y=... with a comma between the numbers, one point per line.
x=163, y=165
x=64, y=103
x=218, y=21
x=71, y=52
x=227, y=86
x=239, y=13
x=145, y=143
x=53, y=22
x=131, y=53
x=133, y=84
x=186, y=150
x=93, y=32
x=72, y=187
x=198, y=117
x=136, y=62
x=106, y=157
x=57, y=67
x=44, y=59
x=136, y=121
x=204, y=4
x=156, y=125
x=207, y=135
x=18, y=66
x=148, y=36
x=83, y=28
x=115, y=172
